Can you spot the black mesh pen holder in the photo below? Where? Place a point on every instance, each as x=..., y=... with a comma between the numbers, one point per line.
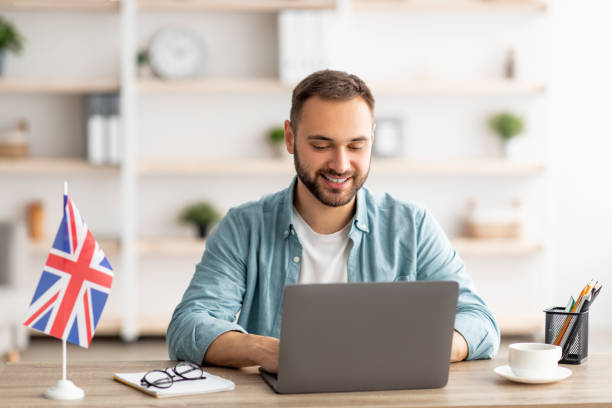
x=575, y=337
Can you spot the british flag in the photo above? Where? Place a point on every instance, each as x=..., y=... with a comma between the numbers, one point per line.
x=74, y=285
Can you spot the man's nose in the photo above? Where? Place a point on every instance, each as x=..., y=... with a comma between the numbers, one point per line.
x=340, y=161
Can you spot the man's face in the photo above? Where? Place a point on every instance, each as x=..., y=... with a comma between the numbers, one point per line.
x=332, y=148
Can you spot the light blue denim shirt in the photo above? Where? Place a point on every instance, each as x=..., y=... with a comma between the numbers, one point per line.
x=254, y=252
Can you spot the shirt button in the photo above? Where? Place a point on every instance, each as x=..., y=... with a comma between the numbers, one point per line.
x=296, y=259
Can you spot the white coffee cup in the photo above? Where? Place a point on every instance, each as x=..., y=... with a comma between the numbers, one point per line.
x=535, y=360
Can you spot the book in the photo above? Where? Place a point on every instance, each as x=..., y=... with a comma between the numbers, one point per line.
x=211, y=383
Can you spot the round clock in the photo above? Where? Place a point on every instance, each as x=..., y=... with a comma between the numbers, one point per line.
x=176, y=53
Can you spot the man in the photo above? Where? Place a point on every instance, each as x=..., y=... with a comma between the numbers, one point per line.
x=324, y=228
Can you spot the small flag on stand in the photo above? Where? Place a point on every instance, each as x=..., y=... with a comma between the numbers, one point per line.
x=72, y=290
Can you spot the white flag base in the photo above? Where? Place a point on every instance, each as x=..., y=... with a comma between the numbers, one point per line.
x=64, y=390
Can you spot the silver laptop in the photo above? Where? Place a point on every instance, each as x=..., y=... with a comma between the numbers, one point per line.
x=365, y=336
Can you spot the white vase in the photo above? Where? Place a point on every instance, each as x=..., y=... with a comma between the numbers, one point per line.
x=511, y=148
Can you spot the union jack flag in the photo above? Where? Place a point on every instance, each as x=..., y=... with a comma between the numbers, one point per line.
x=74, y=284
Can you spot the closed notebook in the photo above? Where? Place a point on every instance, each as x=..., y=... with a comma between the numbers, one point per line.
x=211, y=383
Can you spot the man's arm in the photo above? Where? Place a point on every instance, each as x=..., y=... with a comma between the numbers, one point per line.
x=236, y=349
x=474, y=321
x=214, y=296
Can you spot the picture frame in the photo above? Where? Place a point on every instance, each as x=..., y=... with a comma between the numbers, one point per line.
x=389, y=137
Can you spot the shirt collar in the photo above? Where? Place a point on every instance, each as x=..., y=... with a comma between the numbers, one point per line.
x=360, y=220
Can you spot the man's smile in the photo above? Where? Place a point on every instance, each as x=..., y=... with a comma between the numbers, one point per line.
x=336, y=182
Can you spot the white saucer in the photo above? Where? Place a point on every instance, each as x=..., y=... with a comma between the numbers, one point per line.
x=505, y=371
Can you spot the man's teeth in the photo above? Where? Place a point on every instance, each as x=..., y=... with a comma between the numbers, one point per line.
x=333, y=180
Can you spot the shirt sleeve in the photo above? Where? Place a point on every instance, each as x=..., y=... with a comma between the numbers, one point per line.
x=214, y=296
x=437, y=260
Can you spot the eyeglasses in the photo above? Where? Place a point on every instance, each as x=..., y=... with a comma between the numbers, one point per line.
x=183, y=371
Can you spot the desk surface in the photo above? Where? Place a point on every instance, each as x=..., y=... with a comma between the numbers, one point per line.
x=470, y=384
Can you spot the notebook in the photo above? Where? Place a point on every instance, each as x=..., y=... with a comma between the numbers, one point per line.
x=211, y=383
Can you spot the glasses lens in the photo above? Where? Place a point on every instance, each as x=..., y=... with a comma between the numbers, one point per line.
x=188, y=371
x=158, y=378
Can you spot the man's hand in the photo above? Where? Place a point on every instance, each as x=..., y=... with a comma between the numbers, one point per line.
x=236, y=349
x=459, y=348
x=266, y=352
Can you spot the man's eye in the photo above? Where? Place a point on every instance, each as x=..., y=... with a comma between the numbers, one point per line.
x=358, y=146
x=319, y=147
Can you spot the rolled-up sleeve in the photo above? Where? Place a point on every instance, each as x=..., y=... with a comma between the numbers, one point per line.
x=214, y=296
x=437, y=260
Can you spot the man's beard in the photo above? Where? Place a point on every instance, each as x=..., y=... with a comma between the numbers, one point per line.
x=319, y=191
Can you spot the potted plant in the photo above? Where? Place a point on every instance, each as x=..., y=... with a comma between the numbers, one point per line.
x=10, y=40
x=142, y=62
x=276, y=138
x=203, y=215
x=507, y=126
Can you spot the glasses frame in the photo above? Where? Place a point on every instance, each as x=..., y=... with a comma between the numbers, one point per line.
x=172, y=376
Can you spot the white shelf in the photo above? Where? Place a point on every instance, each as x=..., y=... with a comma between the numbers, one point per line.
x=422, y=87
x=171, y=246
x=57, y=86
x=496, y=247
x=237, y=5
x=453, y=5
x=279, y=5
x=388, y=167
x=52, y=166
x=459, y=87
x=60, y=4
x=219, y=85
x=42, y=247
x=146, y=246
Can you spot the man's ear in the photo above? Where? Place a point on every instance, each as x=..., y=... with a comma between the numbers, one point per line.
x=289, y=137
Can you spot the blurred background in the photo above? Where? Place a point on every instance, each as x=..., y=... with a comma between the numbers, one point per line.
x=163, y=114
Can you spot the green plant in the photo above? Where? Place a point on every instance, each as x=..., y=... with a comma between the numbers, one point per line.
x=10, y=38
x=506, y=125
x=202, y=214
x=142, y=57
x=276, y=135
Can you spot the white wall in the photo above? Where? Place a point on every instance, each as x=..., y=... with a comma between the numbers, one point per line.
x=580, y=145
x=566, y=47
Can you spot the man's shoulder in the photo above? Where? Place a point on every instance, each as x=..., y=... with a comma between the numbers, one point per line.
x=382, y=204
x=254, y=209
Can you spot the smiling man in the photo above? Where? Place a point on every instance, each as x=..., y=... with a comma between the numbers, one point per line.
x=326, y=227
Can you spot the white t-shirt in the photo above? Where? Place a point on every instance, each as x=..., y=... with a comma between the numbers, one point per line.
x=324, y=256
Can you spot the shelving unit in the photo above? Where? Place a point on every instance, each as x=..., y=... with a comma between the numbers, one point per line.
x=50, y=5
x=57, y=86
x=277, y=5
x=455, y=5
x=133, y=169
x=237, y=5
x=383, y=167
x=423, y=87
x=497, y=247
x=42, y=247
x=52, y=166
x=146, y=246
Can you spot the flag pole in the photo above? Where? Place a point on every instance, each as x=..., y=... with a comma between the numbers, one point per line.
x=63, y=359
x=64, y=340
x=64, y=389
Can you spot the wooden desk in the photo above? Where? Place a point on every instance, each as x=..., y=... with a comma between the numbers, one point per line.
x=470, y=384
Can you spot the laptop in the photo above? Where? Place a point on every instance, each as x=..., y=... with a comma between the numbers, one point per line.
x=365, y=336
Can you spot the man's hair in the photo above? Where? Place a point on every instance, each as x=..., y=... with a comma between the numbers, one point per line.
x=330, y=85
